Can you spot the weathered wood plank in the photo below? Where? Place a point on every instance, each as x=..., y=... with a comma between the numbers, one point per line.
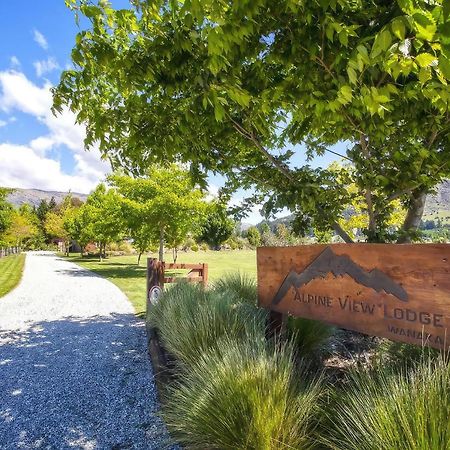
x=171, y=266
x=401, y=292
x=189, y=279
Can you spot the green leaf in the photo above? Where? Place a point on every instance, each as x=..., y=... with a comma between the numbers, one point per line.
x=345, y=94
x=381, y=43
x=219, y=112
x=425, y=24
x=352, y=75
x=343, y=38
x=446, y=9
x=444, y=66
x=425, y=59
x=398, y=28
x=362, y=50
x=424, y=75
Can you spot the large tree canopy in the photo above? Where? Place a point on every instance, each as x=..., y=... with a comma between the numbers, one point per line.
x=233, y=86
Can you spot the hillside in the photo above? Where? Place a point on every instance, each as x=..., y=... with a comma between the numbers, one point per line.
x=34, y=196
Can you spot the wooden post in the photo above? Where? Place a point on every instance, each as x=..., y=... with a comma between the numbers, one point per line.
x=155, y=279
x=205, y=274
x=275, y=325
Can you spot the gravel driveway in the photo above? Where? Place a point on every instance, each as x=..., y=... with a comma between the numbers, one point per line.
x=74, y=371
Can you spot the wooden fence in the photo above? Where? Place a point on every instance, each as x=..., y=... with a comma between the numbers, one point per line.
x=156, y=273
x=6, y=251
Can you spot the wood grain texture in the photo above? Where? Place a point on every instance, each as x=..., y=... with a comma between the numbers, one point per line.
x=401, y=292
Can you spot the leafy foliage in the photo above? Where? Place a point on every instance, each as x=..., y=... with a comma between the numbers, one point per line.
x=232, y=87
x=217, y=226
x=164, y=206
x=5, y=210
x=254, y=236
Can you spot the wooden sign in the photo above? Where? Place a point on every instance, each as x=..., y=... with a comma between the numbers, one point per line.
x=400, y=292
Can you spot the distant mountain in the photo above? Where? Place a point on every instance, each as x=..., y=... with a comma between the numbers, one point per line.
x=34, y=196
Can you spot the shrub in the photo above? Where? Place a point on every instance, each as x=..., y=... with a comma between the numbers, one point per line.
x=204, y=247
x=312, y=338
x=192, y=320
x=244, y=395
x=194, y=248
x=384, y=410
x=239, y=285
x=233, y=245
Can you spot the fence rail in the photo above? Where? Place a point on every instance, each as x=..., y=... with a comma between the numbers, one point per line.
x=156, y=276
x=6, y=251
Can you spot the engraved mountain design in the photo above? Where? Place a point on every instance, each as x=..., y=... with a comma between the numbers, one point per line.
x=340, y=265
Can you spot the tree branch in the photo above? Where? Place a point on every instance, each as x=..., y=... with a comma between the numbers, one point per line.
x=368, y=192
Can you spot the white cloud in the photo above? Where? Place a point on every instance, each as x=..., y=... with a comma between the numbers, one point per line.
x=3, y=123
x=45, y=66
x=41, y=144
x=40, y=39
x=15, y=61
x=23, y=168
x=17, y=92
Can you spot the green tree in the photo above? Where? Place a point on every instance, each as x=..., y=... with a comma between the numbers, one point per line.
x=103, y=214
x=217, y=226
x=6, y=211
x=23, y=229
x=164, y=205
x=234, y=86
x=254, y=236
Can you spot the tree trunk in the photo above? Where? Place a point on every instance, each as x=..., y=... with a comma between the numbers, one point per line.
x=139, y=258
x=161, y=243
x=175, y=254
x=413, y=217
x=101, y=251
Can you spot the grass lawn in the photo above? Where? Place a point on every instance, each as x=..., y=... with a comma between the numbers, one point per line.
x=11, y=268
x=130, y=278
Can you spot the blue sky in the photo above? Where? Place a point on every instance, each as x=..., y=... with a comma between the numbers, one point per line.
x=38, y=150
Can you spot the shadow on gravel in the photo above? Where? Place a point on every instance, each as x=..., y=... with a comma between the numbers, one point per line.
x=78, y=383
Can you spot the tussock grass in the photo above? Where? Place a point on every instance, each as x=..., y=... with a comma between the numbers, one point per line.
x=312, y=339
x=240, y=285
x=191, y=320
x=399, y=355
x=386, y=410
x=244, y=395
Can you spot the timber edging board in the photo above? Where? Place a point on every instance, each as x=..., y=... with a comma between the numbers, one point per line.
x=400, y=292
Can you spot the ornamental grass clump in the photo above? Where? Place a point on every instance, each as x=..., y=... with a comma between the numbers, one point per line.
x=312, y=338
x=386, y=410
x=192, y=320
x=244, y=395
x=240, y=285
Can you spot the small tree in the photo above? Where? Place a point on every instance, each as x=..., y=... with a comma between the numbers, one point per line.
x=103, y=212
x=165, y=201
x=254, y=236
x=23, y=229
x=6, y=211
x=217, y=226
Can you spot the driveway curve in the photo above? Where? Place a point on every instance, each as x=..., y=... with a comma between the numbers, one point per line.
x=74, y=370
